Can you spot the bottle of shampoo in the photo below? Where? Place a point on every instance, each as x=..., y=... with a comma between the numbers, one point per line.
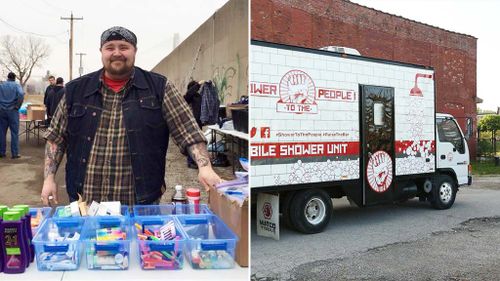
x=2, y=210
x=25, y=240
x=13, y=239
x=27, y=224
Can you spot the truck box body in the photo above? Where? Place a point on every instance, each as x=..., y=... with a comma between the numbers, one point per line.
x=319, y=116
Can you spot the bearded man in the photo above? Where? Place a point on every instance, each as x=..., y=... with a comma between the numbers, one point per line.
x=114, y=125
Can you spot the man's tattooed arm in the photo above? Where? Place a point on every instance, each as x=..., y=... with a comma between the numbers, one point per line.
x=199, y=153
x=53, y=156
x=206, y=175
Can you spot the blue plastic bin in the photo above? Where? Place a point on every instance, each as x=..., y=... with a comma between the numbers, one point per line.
x=55, y=248
x=210, y=242
x=170, y=209
x=159, y=254
x=45, y=213
x=113, y=253
x=124, y=211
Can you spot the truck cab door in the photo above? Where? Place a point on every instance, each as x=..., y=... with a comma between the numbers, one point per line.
x=452, y=150
x=377, y=143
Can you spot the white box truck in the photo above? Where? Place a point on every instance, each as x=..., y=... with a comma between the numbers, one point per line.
x=326, y=125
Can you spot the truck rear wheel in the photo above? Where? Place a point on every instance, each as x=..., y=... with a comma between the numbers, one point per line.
x=444, y=192
x=310, y=210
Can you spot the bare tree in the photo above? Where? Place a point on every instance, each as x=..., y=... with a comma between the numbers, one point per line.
x=21, y=54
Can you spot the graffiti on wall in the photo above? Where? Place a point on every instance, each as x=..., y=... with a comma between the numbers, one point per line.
x=227, y=80
x=222, y=77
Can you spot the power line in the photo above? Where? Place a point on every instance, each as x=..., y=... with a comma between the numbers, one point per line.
x=32, y=33
x=38, y=11
x=55, y=7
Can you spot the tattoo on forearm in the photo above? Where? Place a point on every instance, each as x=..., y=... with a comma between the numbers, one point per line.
x=199, y=154
x=53, y=157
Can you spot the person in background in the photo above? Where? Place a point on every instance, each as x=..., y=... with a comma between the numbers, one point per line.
x=11, y=98
x=52, y=84
x=114, y=125
x=193, y=98
x=53, y=98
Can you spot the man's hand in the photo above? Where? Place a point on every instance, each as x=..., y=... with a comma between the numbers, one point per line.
x=49, y=189
x=206, y=174
x=208, y=178
x=53, y=157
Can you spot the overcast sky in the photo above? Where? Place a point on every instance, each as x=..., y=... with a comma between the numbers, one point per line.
x=153, y=21
x=478, y=18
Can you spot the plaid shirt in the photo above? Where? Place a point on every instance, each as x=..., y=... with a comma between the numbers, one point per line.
x=109, y=174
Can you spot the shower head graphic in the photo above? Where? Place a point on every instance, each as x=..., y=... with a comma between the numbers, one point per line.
x=415, y=91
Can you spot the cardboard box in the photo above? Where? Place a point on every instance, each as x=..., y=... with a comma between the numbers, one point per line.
x=35, y=105
x=234, y=106
x=36, y=112
x=236, y=217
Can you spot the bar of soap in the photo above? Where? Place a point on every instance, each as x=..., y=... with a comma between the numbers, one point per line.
x=114, y=207
x=94, y=207
x=75, y=209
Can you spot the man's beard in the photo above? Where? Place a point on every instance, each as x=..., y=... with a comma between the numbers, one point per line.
x=124, y=69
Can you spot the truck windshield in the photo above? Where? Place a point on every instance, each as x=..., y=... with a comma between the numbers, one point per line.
x=448, y=132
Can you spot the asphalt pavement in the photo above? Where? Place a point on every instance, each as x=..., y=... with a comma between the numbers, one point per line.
x=408, y=241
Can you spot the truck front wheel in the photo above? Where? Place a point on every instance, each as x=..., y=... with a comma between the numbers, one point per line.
x=310, y=210
x=444, y=191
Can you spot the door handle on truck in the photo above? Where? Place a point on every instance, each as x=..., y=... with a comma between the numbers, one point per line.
x=443, y=156
x=427, y=159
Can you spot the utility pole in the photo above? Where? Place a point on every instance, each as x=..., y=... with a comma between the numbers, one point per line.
x=80, y=69
x=71, y=19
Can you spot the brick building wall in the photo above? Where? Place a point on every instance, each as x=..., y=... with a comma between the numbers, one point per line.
x=319, y=23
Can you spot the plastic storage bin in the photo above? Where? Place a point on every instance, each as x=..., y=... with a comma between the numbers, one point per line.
x=124, y=211
x=240, y=119
x=210, y=243
x=157, y=253
x=170, y=209
x=58, y=244
x=107, y=242
x=44, y=212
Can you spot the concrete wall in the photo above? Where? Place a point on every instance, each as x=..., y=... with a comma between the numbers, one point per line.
x=224, y=52
x=319, y=23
